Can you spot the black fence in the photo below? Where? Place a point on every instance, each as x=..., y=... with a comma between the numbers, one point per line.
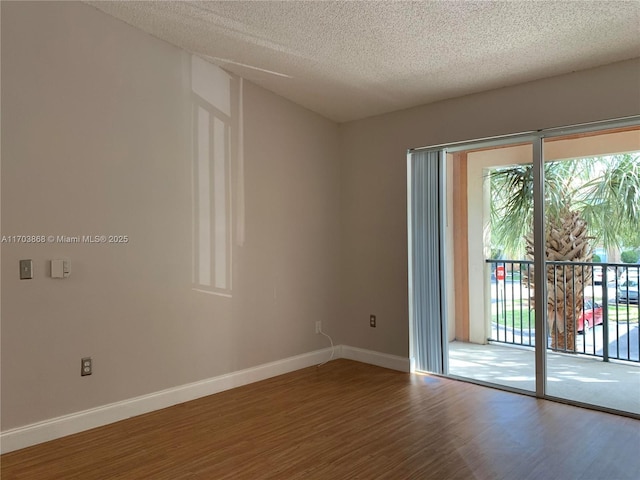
x=596, y=307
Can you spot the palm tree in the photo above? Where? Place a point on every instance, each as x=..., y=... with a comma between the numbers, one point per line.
x=588, y=202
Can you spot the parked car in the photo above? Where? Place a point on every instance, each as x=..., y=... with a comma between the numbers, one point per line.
x=590, y=315
x=628, y=291
x=629, y=273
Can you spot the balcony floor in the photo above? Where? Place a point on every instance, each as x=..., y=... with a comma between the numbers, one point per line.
x=584, y=379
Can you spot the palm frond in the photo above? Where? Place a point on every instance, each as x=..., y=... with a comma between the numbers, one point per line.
x=611, y=202
x=605, y=191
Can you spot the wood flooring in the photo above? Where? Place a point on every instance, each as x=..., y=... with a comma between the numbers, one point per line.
x=347, y=420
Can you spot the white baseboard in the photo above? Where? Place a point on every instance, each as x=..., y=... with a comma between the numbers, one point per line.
x=40, y=432
x=376, y=358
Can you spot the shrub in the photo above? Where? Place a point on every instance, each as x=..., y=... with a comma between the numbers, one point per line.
x=632, y=256
x=596, y=258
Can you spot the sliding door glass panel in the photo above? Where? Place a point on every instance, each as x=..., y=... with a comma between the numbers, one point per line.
x=493, y=336
x=592, y=185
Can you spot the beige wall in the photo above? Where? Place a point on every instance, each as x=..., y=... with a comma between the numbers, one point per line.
x=374, y=241
x=97, y=139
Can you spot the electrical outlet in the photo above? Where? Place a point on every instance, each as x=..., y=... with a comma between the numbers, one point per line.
x=87, y=366
x=372, y=321
x=318, y=326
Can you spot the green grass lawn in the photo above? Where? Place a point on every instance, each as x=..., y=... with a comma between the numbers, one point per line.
x=521, y=317
x=515, y=317
x=621, y=313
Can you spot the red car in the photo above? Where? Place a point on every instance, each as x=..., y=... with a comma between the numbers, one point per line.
x=590, y=315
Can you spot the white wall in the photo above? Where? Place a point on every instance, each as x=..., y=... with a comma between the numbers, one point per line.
x=97, y=139
x=374, y=240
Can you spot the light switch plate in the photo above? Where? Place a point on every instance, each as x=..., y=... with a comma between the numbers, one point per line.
x=26, y=269
x=60, y=268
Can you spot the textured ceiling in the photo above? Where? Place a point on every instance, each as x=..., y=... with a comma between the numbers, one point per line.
x=350, y=60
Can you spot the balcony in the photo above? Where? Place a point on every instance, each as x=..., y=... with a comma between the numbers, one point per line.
x=579, y=360
x=612, y=294
x=614, y=385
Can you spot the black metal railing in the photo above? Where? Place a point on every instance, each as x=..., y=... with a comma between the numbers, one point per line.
x=596, y=310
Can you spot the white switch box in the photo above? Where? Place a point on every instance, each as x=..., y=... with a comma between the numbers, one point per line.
x=60, y=268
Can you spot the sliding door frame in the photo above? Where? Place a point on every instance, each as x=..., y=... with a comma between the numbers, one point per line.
x=536, y=139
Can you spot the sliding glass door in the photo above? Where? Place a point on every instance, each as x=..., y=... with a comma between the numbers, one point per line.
x=522, y=283
x=494, y=329
x=592, y=240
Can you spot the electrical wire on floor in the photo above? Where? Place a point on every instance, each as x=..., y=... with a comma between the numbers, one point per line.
x=332, y=349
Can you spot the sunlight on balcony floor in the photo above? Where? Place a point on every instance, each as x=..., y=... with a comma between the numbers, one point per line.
x=613, y=385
